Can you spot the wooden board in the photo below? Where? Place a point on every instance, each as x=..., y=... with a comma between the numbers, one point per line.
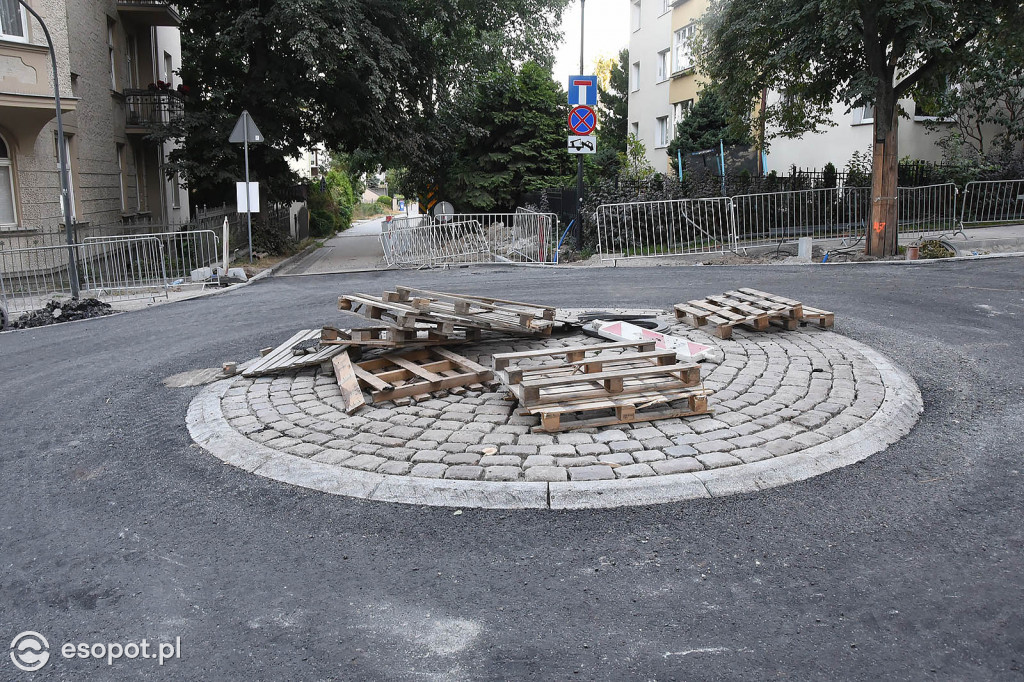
x=348, y=383
x=417, y=372
x=281, y=358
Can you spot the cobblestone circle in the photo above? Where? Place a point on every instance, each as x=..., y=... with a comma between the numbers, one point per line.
x=776, y=394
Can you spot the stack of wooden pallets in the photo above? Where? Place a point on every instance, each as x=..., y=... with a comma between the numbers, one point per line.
x=406, y=315
x=751, y=309
x=611, y=383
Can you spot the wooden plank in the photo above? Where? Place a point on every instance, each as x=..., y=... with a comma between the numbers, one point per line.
x=370, y=379
x=501, y=360
x=282, y=359
x=348, y=383
x=460, y=360
x=415, y=369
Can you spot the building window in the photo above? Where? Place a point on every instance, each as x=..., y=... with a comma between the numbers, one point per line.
x=680, y=110
x=634, y=129
x=864, y=114
x=12, y=21
x=132, y=60
x=634, y=76
x=663, y=65
x=66, y=149
x=636, y=15
x=682, y=44
x=119, y=151
x=665, y=6
x=661, y=131
x=175, y=191
x=8, y=213
x=111, y=54
x=141, y=184
x=168, y=70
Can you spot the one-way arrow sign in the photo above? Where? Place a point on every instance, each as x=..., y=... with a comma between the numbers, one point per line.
x=245, y=128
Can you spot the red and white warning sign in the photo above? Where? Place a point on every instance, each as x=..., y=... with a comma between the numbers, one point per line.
x=624, y=331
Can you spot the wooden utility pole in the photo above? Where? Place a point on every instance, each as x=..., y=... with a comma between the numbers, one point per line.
x=883, y=228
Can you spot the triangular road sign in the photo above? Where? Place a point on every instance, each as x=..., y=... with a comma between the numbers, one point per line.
x=245, y=124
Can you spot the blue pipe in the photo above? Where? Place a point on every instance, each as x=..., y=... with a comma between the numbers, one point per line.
x=559, y=248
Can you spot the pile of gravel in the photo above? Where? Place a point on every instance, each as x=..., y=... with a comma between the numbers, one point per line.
x=63, y=311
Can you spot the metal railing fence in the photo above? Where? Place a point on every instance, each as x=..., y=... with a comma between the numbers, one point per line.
x=927, y=210
x=768, y=218
x=180, y=252
x=686, y=226
x=989, y=202
x=665, y=228
x=29, y=277
x=522, y=237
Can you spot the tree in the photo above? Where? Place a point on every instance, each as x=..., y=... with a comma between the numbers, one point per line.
x=513, y=142
x=986, y=94
x=705, y=127
x=371, y=76
x=862, y=52
x=613, y=105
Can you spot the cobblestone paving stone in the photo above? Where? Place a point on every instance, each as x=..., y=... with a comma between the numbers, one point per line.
x=775, y=393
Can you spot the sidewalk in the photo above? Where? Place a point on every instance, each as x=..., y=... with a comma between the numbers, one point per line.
x=357, y=249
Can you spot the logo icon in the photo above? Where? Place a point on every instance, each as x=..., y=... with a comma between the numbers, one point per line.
x=30, y=651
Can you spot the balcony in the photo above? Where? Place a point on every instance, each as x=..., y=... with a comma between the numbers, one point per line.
x=148, y=13
x=146, y=109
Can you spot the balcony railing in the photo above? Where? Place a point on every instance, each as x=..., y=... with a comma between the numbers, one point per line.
x=145, y=109
x=149, y=12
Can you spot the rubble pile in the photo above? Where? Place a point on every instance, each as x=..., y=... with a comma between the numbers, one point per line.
x=63, y=311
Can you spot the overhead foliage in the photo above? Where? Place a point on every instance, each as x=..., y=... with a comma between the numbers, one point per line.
x=377, y=77
x=513, y=141
x=816, y=52
x=705, y=127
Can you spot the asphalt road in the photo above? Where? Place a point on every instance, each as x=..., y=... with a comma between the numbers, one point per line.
x=908, y=566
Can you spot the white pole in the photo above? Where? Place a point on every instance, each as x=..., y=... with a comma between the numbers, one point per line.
x=248, y=208
x=224, y=272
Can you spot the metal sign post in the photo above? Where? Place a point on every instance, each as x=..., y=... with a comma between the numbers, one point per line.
x=245, y=131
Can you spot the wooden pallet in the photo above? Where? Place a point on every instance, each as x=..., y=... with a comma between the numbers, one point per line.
x=592, y=413
x=406, y=308
x=282, y=359
x=749, y=308
x=588, y=379
x=418, y=372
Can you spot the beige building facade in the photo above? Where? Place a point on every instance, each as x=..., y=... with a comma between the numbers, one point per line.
x=116, y=64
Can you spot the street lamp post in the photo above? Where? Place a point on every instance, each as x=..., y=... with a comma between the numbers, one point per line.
x=65, y=181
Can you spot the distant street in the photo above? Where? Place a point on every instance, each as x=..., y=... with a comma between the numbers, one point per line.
x=907, y=566
x=357, y=249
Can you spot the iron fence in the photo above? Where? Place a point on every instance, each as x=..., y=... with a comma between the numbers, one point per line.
x=522, y=237
x=992, y=202
x=179, y=253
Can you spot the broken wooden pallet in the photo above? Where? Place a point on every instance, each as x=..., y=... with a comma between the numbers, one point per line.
x=390, y=336
x=283, y=359
x=586, y=379
x=748, y=308
x=418, y=372
x=450, y=312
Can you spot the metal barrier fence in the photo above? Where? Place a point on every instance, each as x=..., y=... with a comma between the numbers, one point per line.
x=29, y=277
x=470, y=238
x=993, y=202
x=927, y=210
x=179, y=252
x=665, y=228
x=832, y=213
x=687, y=226
x=113, y=267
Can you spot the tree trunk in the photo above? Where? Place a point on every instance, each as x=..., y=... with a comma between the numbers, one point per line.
x=882, y=226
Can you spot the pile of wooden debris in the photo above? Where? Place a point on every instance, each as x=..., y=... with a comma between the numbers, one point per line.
x=398, y=347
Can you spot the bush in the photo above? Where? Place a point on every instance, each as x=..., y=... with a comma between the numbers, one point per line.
x=384, y=200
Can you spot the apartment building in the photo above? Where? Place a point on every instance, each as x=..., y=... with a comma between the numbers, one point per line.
x=117, y=62
x=664, y=86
